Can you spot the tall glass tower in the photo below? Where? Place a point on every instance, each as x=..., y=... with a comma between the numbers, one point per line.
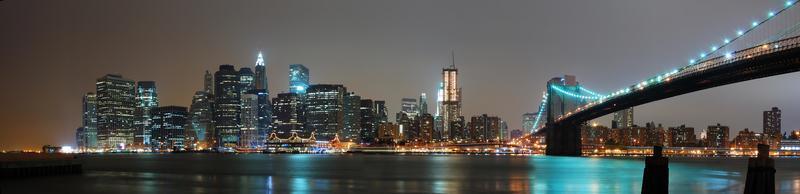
x=146, y=101
x=298, y=78
x=263, y=105
x=227, y=106
x=116, y=102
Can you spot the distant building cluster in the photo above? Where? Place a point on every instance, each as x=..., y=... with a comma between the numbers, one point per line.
x=233, y=110
x=624, y=133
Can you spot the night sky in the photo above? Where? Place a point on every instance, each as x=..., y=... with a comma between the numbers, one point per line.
x=53, y=51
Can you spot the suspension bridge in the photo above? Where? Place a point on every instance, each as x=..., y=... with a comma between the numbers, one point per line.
x=767, y=47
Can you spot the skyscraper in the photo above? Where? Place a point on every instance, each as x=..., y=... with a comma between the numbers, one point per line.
x=409, y=107
x=325, y=110
x=451, y=106
x=426, y=128
x=623, y=119
x=352, y=117
x=772, y=122
x=718, y=136
x=264, y=123
x=288, y=115
x=298, y=78
x=116, y=102
x=208, y=83
x=381, y=115
x=423, y=103
x=367, y=133
x=261, y=74
x=227, y=106
x=528, y=120
x=248, y=134
x=201, y=119
x=146, y=101
x=169, y=123
x=264, y=120
x=246, y=80
x=88, y=133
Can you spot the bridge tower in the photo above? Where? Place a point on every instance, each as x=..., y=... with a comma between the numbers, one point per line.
x=563, y=139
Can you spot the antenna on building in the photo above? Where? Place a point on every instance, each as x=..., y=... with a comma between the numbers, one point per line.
x=452, y=59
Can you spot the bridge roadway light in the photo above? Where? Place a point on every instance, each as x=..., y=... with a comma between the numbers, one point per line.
x=740, y=32
x=754, y=24
x=727, y=41
x=789, y=3
x=770, y=14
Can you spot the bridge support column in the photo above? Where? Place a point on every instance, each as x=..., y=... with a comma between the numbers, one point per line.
x=656, y=173
x=760, y=173
x=563, y=140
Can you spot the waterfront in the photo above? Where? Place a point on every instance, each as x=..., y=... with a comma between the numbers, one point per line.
x=360, y=173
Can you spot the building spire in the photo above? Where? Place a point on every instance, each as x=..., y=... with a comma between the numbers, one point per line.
x=260, y=60
x=452, y=59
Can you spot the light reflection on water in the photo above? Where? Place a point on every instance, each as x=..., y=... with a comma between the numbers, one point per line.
x=302, y=174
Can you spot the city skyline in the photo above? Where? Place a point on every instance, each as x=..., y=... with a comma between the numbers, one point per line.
x=183, y=70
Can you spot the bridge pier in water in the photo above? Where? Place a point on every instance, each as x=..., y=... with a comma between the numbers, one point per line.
x=760, y=173
x=563, y=140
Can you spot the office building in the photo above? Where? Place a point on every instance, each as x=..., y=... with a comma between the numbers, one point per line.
x=528, y=120
x=623, y=119
x=368, y=121
x=88, y=135
x=352, y=117
x=717, y=136
x=288, y=115
x=298, y=78
x=772, y=123
x=201, y=119
x=248, y=116
x=116, y=103
x=423, y=104
x=682, y=136
x=227, y=106
x=325, y=110
x=169, y=125
x=146, y=101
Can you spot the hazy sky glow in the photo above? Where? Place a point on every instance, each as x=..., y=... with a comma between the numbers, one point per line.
x=53, y=51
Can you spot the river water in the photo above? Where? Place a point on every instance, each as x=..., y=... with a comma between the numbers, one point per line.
x=360, y=173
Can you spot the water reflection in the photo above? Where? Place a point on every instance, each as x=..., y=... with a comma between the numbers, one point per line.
x=300, y=174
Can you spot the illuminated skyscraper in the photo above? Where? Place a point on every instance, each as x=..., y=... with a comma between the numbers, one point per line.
x=718, y=136
x=248, y=134
x=528, y=120
x=451, y=104
x=264, y=123
x=409, y=107
x=169, y=125
x=288, y=115
x=227, y=106
x=261, y=73
x=116, y=102
x=146, y=101
x=201, y=119
x=381, y=113
x=246, y=80
x=298, y=78
x=325, y=110
x=623, y=119
x=772, y=122
x=423, y=104
x=352, y=117
x=208, y=83
x=368, y=122
x=88, y=134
